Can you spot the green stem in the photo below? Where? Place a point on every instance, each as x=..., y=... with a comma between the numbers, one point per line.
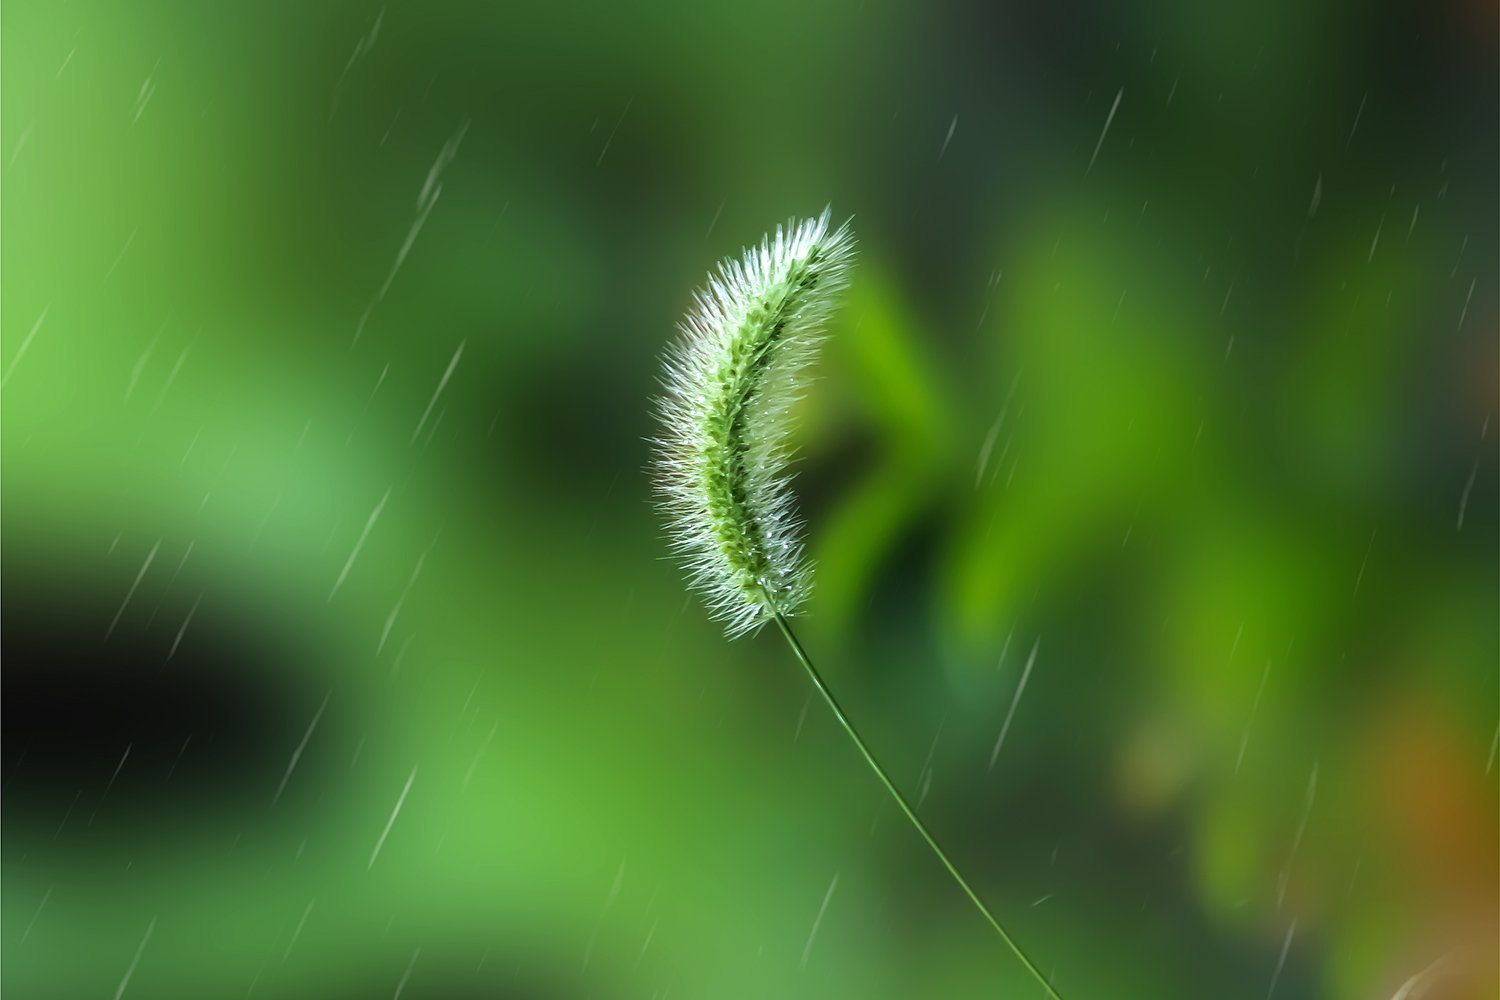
x=786, y=630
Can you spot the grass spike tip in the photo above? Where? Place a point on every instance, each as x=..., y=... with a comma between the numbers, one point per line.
x=722, y=458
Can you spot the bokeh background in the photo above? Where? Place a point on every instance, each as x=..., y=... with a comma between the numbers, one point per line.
x=341, y=653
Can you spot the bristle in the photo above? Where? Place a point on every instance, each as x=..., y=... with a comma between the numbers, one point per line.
x=721, y=467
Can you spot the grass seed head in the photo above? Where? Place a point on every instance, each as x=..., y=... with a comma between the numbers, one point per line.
x=722, y=457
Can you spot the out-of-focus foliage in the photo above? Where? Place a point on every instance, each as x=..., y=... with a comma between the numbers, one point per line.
x=340, y=648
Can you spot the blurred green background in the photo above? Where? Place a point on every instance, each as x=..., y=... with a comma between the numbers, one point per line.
x=342, y=657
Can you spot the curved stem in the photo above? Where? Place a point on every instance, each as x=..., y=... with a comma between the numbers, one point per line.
x=911, y=814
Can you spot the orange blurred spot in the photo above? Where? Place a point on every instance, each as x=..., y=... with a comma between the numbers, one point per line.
x=1442, y=811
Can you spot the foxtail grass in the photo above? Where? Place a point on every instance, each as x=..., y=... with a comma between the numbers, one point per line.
x=722, y=457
